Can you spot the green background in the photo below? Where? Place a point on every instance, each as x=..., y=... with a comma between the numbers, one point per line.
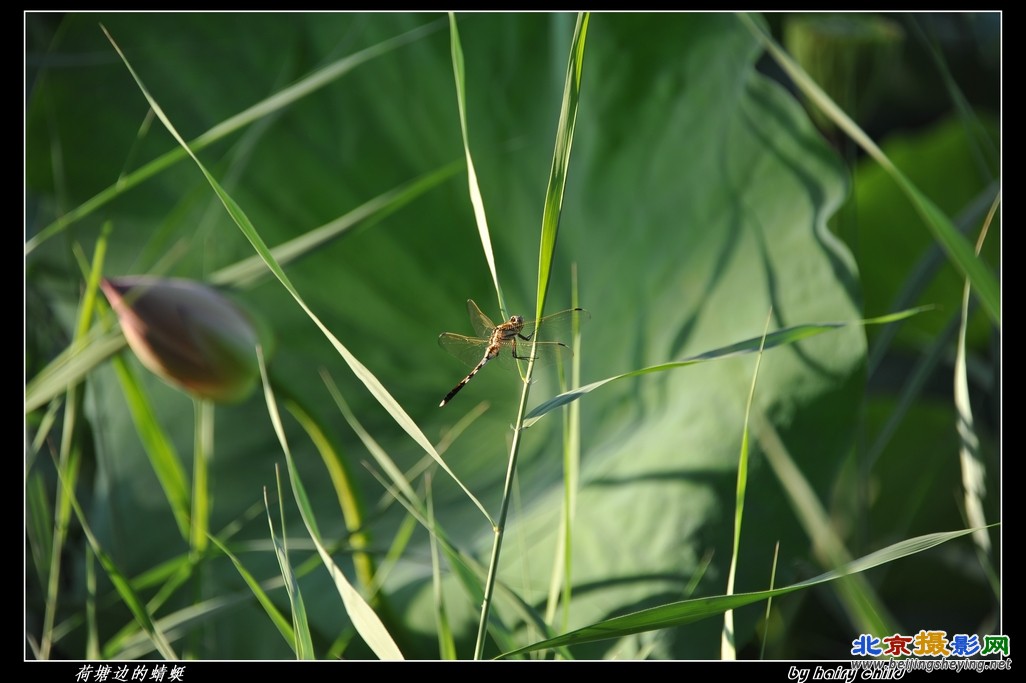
x=700, y=198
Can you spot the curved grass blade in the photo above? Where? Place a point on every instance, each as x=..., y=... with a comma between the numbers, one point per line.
x=788, y=335
x=176, y=625
x=922, y=273
x=275, y=102
x=957, y=247
x=728, y=646
x=348, y=494
x=865, y=610
x=121, y=584
x=561, y=580
x=459, y=73
x=284, y=628
x=769, y=601
x=303, y=643
x=158, y=445
x=377, y=390
x=982, y=148
x=168, y=578
x=446, y=642
x=561, y=159
x=203, y=452
x=379, y=454
x=689, y=611
x=973, y=469
x=365, y=620
x=250, y=271
x=74, y=363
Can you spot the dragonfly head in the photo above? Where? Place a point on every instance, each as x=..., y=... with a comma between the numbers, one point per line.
x=516, y=319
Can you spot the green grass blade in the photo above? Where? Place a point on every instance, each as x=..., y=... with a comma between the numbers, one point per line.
x=274, y=103
x=368, y=379
x=38, y=525
x=959, y=252
x=157, y=444
x=982, y=147
x=400, y=541
x=92, y=631
x=42, y=428
x=176, y=624
x=728, y=648
x=459, y=73
x=303, y=643
x=56, y=377
x=769, y=602
x=122, y=585
x=251, y=271
x=279, y=621
x=379, y=454
x=446, y=642
x=73, y=364
x=973, y=469
x=366, y=622
x=202, y=499
x=864, y=608
x=350, y=501
x=93, y=282
x=923, y=272
x=203, y=451
x=562, y=566
x=561, y=159
x=182, y=569
x=788, y=335
x=689, y=611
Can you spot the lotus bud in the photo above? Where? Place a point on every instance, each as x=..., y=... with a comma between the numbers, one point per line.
x=187, y=333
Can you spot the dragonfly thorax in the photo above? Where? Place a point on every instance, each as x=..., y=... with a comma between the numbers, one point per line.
x=509, y=329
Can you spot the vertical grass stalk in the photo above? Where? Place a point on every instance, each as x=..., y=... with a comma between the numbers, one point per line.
x=70, y=455
x=547, y=246
x=973, y=470
x=493, y=563
x=203, y=448
x=560, y=587
x=728, y=642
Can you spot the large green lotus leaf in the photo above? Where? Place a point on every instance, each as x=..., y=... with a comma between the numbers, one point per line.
x=697, y=202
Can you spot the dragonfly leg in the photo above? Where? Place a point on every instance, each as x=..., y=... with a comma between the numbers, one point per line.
x=517, y=355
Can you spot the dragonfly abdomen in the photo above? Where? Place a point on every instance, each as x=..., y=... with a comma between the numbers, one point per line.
x=492, y=352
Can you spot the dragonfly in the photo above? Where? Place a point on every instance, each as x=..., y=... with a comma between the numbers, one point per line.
x=493, y=341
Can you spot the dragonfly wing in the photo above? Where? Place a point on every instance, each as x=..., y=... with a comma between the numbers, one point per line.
x=469, y=350
x=556, y=326
x=482, y=325
x=545, y=353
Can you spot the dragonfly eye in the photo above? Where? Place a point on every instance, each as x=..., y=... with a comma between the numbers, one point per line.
x=516, y=319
